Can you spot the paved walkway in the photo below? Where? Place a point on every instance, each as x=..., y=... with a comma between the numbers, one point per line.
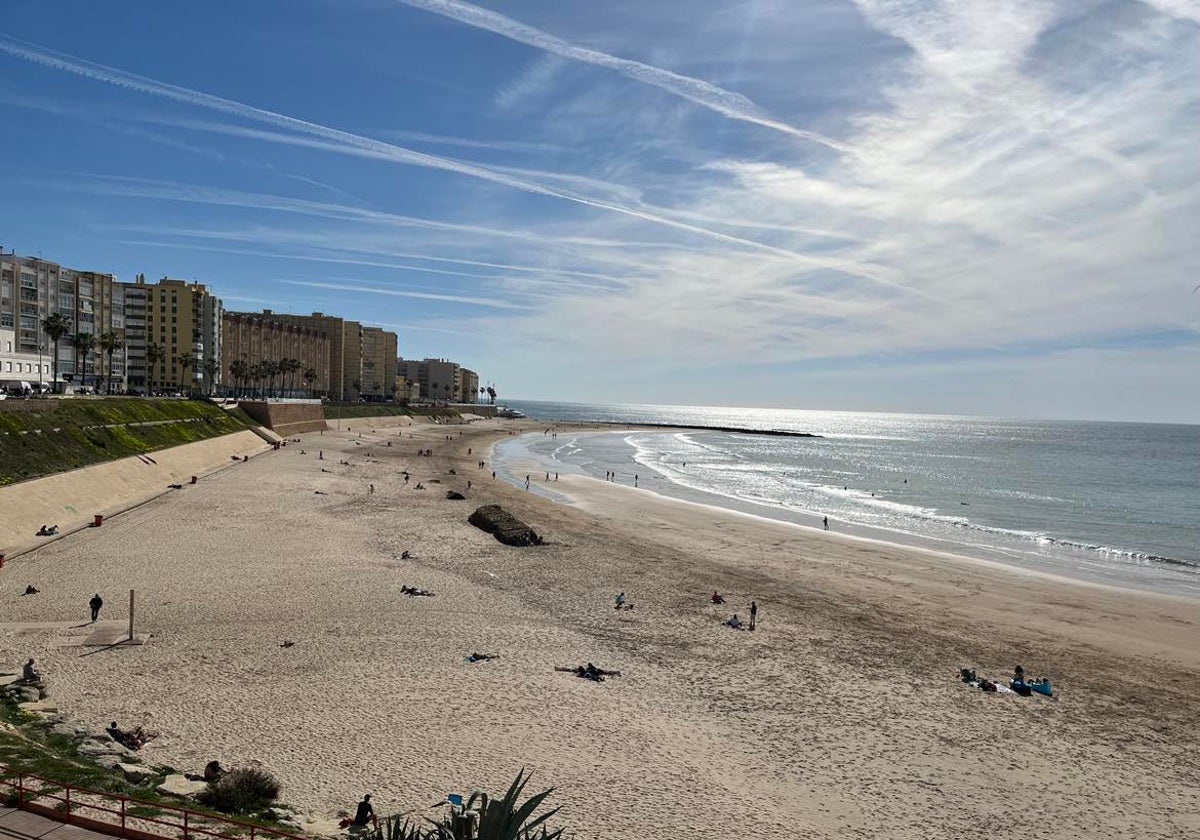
x=23, y=825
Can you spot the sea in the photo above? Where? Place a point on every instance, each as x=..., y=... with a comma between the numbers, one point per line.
x=1112, y=503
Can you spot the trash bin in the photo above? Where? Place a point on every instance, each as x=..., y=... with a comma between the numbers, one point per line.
x=98, y=520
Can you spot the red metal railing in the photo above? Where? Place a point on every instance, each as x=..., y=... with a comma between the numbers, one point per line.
x=123, y=816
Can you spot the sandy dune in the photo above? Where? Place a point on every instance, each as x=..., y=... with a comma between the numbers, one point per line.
x=840, y=717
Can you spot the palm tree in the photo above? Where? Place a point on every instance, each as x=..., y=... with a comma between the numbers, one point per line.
x=482, y=390
x=357, y=386
x=269, y=370
x=255, y=374
x=55, y=326
x=154, y=355
x=433, y=386
x=293, y=367
x=238, y=369
x=210, y=374
x=110, y=342
x=83, y=344
x=185, y=361
x=310, y=376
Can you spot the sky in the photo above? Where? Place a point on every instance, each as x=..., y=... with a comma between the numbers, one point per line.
x=945, y=206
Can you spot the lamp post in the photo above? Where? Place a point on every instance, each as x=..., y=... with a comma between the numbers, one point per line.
x=41, y=350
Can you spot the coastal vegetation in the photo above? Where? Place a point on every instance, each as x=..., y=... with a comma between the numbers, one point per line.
x=32, y=744
x=243, y=790
x=43, y=437
x=481, y=818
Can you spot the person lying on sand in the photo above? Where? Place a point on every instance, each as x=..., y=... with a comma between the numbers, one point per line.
x=31, y=590
x=482, y=657
x=415, y=592
x=47, y=531
x=134, y=739
x=589, y=672
x=734, y=622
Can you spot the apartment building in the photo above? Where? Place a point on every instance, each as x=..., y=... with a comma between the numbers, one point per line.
x=28, y=288
x=469, y=386
x=174, y=333
x=378, y=363
x=32, y=289
x=252, y=337
x=437, y=379
x=359, y=357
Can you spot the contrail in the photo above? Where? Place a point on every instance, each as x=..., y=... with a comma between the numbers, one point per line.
x=357, y=144
x=718, y=99
x=377, y=290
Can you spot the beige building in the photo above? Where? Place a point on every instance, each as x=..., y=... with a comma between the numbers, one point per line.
x=378, y=376
x=351, y=347
x=180, y=322
x=251, y=337
x=335, y=330
x=468, y=386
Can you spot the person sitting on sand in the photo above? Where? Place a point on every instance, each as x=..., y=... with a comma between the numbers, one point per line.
x=213, y=771
x=734, y=622
x=30, y=674
x=716, y=597
x=31, y=590
x=620, y=600
x=482, y=657
x=363, y=814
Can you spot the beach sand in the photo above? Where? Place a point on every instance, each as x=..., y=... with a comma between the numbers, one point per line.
x=841, y=716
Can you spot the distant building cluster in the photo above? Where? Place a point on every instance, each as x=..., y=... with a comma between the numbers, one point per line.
x=90, y=331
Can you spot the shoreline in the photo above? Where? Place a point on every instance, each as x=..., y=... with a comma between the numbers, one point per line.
x=842, y=715
x=1164, y=576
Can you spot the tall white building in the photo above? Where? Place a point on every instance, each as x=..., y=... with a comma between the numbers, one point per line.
x=31, y=289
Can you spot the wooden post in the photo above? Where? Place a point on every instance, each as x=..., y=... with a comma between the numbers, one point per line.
x=131, y=615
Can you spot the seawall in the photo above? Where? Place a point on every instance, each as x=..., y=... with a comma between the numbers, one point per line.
x=287, y=418
x=70, y=499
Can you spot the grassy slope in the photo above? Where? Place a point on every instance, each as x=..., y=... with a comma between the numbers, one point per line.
x=35, y=444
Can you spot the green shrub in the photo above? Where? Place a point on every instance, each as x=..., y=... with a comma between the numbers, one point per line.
x=242, y=790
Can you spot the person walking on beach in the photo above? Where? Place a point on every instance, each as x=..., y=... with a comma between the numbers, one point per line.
x=635, y=479
x=753, y=614
x=825, y=522
x=96, y=603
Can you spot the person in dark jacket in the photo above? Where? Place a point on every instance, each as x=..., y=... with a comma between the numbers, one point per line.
x=96, y=603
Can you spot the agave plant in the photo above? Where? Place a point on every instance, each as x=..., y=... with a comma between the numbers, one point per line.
x=481, y=818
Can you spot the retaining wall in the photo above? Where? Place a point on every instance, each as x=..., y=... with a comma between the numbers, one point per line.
x=70, y=499
x=287, y=418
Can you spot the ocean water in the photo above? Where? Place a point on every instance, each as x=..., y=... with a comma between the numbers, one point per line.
x=1116, y=503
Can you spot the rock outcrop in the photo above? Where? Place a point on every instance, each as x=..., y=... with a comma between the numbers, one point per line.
x=504, y=526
